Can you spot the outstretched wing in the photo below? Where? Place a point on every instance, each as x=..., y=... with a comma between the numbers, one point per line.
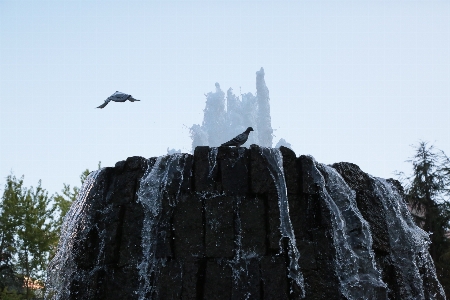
x=104, y=104
x=118, y=97
x=132, y=99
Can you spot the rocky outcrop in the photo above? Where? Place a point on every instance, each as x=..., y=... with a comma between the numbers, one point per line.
x=237, y=223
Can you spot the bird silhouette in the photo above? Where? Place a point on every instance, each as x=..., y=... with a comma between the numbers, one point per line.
x=118, y=97
x=238, y=140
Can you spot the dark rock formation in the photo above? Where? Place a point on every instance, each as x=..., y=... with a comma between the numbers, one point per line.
x=237, y=223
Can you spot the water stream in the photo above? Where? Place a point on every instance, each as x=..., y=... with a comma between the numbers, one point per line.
x=355, y=265
x=62, y=270
x=153, y=185
x=409, y=245
x=275, y=165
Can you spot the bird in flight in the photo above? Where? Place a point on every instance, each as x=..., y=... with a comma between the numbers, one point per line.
x=238, y=140
x=118, y=97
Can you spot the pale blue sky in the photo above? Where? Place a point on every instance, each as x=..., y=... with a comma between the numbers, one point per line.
x=355, y=81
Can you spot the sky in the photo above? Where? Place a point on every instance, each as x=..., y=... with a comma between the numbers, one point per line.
x=357, y=81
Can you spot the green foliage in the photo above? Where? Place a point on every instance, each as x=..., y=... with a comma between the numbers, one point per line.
x=28, y=233
x=30, y=223
x=36, y=235
x=7, y=294
x=427, y=190
x=9, y=222
x=428, y=180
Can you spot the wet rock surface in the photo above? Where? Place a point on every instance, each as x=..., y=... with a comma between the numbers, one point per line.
x=229, y=223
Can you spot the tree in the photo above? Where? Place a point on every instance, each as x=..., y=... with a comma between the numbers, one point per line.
x=30, y=222
x=36, y=236
x=27, y=236
x=9, y=220
x=427, y=191
x=7, y=294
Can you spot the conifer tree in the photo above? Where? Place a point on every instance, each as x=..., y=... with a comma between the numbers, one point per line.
x=9, y=220
x=27, y=237
x=36, y=236
x=30, y=221
x=427, y=192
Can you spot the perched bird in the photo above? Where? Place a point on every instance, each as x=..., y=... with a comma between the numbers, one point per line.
x=118, y=97
x=239, y=140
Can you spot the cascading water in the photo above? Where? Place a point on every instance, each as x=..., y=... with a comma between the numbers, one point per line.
x=275, y=165
x=62, y=270
x=409, y=245
x=355, y=261
x=242, y=259
x=210, y=225
x=153, y=185
x=212, y=159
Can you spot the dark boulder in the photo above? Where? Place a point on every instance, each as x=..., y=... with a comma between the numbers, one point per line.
x=236, y=223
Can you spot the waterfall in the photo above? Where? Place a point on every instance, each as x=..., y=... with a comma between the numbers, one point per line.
x=409, y=245
x=355, y=260
x=153, y=187
x=62, y=270
x=242, y=259
x=212, y=159
x=275, y=166
x=219, y=223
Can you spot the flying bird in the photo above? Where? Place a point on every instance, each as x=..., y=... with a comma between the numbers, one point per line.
x=239, y=140
x=118, y=97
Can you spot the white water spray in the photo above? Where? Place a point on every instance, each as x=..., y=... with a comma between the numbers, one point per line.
x=62, y=269
x=355, y=261
x=409, y=244
x=275, y=165
x=151, y=192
